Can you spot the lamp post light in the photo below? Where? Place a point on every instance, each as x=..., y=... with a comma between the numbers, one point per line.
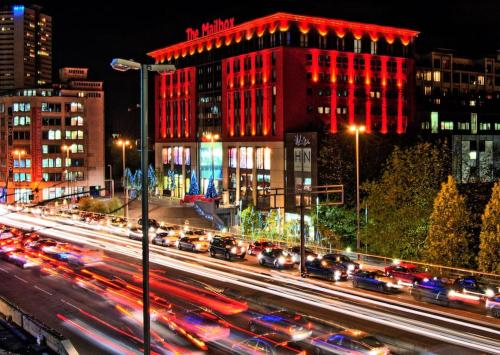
x=67, y=148
x=124, y=143
x=357, y=129
x=124, y=65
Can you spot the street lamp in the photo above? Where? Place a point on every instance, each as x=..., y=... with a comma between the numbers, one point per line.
x=357, y=129
x=67, y=148
x=124, y=143
x=124, y=65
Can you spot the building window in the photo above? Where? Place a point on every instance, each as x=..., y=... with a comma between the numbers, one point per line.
x=357, y=46
x=51, y=107
x=437, y=75
x=446, y=125
x=22, y=195
x=373, y=47
x=74, y=134
x=497, y=126
x=25, y=163
x=53, y=134
x=464, y=126
x=480, y=79
x=472, y=103
x=320, y=109
x=21, y=121
x=21, y=107
x=425, y=125
x=484, y=126
x=428, y=75
x=434, y=122
x=304, y=40
x=473, y=122
x=427, y=90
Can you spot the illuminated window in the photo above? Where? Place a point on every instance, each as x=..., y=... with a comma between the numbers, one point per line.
x=320, y=109
x=373, y=47
x=437, y=76
x=473, y=122
x=472, y=103
x=497, y=126
x=357, y=46
x=480, y=79
x=464, y=126
x=425, y=125
x=434, y=122
x=484, y=126
x=446, y=125
x=427, y=90
x=428, y=75
x=473, y=155
x=304, y=40
x=54, y=134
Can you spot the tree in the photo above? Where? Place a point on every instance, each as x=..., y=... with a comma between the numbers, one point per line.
x=337, y=226
x=211, y=191
x=489, y=247
x=160, y=179
x=194, y=189
x=449, y=238
x=400, y=202
x=152, y=182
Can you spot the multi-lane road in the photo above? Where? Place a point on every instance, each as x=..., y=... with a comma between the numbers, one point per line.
x=94, y=317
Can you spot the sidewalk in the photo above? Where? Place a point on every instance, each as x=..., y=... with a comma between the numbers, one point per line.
x=168, y=211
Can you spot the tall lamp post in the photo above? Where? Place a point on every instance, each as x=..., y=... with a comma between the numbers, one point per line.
x=124, y=143
x=125, y=65
x=19, y=153
x=357, y=129
x=67, y=148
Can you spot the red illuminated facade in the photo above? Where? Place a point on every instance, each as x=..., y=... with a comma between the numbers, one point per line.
x=255, y=82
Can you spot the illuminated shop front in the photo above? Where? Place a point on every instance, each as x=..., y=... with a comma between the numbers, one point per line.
x=176, y=165
x=210, y=165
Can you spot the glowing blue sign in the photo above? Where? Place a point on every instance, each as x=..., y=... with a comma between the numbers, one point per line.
x=18, y=9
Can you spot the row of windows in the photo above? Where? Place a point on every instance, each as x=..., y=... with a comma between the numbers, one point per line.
x=21, y=135
x=22, y=163
x=57, y=162
x=56, y=121
x=54, y=149
x=21, y=120
x=262, y=158
x=56, y=134
x=344, y=93
x=56, y=107
x=22, y=177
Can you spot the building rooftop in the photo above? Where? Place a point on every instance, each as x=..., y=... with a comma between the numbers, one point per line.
x=282, y=22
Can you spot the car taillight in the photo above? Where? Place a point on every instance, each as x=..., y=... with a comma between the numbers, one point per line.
x=309, y=325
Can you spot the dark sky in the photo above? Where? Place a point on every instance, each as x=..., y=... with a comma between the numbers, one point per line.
x=91, y=33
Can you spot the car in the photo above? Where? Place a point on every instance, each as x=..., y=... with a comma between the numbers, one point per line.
x=350, y=265
x=228, y=247
x=276, y=257
x=135, y=233
x=407, y=274
x=293, y=326
x=151, y=223
x=492, y=306
x=295, y=252
x=435, y=290
x=165, y=239
x=256, y=247
x=194, y=233
x=376, y=281
x=349, y=341
x=203, y=325
x=40, y=243
x=268, y=344
x=326, y=269
x=472, y=285
x=194, y=244
x=170, y=230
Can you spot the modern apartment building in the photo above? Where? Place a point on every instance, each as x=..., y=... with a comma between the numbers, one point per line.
x=25, y=47
x=52, y=139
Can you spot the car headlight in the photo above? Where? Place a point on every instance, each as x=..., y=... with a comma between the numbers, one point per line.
x=243, y=249
x=489, y=293
x=361, y=266
x=234, y=250
x=337, y=275
x=198, y=246
x=296, y=258
x=350, y=267
x=259, y=256
x=310, y=258
x=281, y=260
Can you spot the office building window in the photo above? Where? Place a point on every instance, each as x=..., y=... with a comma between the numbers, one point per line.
x=434, y=122
x=484, y=126
x=357, y=46
x=21, y=121
x=437, y=76
x=473, y=122
x=446, y=125
x=373, y=47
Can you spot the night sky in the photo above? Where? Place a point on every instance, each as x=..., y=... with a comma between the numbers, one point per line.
x=91, y=33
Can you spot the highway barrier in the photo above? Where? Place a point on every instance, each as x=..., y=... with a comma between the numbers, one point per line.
x=53, y=339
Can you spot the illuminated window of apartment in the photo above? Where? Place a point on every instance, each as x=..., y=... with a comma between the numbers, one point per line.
x=473, y=155
x=497, y=126
x=373, y=47
x=357, y=46
x=425, y=125
x=472, y=103
x=427, y=90
x=437, y=101
x=437, y=76
x=21, y=121
x=434, y=122
x=54, y=134
x=320, y=109
x=480, y=80
x=304, y=40
x=446, y=125
x=428, y=75
x=473, y=122
x=484, y=126
x=464, y=126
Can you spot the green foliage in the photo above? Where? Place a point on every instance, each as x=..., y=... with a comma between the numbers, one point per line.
x=160, y=179
x=400, y=202
x=101, y=206
x=250, y=221
x=337, y=226
x=489, y=248
x=449, y=238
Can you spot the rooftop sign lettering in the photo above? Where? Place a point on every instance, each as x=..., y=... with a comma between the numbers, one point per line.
x=209, y=28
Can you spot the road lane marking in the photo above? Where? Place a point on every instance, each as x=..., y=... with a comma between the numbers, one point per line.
x=20, y=278
x=41, y=289
x=69, y=304
x=2, y=269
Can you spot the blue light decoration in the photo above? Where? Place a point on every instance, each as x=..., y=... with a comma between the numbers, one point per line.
x=211, y=191
x=18, y=10
x=194, y=189
x=152, y=179
x=171, y=180
x=3, y=194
